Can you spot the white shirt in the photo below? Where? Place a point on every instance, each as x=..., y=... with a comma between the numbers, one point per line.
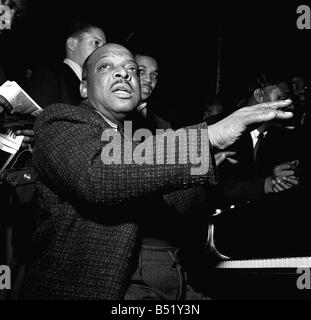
x=75, y=68
x=255, y=133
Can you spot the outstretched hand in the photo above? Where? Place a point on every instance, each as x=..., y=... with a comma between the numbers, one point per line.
x=225, y=132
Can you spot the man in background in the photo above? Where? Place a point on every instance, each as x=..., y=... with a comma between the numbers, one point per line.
x=61, y=83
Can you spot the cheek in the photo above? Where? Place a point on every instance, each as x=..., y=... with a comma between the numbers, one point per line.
x=88, y=50
x=142, y=79
x=99, y=87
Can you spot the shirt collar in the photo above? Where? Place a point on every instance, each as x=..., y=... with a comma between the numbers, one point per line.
x=75, y=67
x=255, y=133
x=113, y=125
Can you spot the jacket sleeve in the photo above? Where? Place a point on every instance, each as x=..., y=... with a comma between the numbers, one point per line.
x=68, y=156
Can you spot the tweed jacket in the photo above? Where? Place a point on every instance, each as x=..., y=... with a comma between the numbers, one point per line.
x=89, y=215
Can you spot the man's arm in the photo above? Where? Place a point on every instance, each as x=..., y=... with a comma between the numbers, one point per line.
x=67, y=155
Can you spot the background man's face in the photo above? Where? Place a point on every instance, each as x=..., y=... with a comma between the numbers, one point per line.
x=148, y=73
x=88, y=42
x=300, y=88
x=274, y=92
x=113, y=82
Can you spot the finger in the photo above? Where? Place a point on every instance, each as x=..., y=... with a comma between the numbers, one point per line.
x=276, y=104
x=28, y=139
x=275, y=189
x=278, y=187
x=220, y=157
x=25, y=145
x=230, y=153
x=141, y=106
x=232, y=161
x=29, y=133
x=282, y=183
x=264, y=114
x=284, y=166
x=284, y=173
x=270, y=114
x=292, y=181
x=285, y=185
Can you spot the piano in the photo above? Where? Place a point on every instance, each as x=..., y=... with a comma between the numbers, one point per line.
x=271, y=278
x=267, y=263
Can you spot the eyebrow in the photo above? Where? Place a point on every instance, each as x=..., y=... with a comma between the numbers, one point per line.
x=98, y=37
x=105, y=56
x=146, y=67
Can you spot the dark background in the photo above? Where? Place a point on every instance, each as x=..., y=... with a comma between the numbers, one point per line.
x=183, y=36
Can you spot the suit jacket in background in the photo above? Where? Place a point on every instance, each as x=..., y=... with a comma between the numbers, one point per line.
x=270, y=225
x=87, y=234
x=55, y=85
x=2, y=76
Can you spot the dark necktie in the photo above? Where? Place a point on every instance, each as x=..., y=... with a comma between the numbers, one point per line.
x=260, y=137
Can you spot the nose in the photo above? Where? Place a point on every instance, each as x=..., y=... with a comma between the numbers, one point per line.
x=121, y=72
x=147, y=78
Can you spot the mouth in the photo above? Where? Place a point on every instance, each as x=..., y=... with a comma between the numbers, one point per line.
x=122, y=90
x=146, y=88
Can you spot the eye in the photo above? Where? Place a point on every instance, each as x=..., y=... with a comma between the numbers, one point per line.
x=97, y=43
x=103, y=66
x=155, y=76
x=133, y=69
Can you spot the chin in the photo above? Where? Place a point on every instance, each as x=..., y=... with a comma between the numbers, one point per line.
x=126, y=106
x=145, y=96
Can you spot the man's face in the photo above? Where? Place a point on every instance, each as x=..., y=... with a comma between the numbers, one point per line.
x=112, y=84
x=300, y=89
x=276, y=92
x=87, y=43
x=148, y=73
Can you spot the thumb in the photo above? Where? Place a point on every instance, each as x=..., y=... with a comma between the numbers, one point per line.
x=141, y=106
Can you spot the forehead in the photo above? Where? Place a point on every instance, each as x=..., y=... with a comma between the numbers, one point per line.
x=298, y=80
x=94, y=33
x=283, y=86
x=111, y=52
x=270, y=88
x=146, y=61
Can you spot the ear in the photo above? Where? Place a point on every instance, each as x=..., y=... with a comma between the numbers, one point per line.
x=259, y=95
x=83, y=89
x=71, y=43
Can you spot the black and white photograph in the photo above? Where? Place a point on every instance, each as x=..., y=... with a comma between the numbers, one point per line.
x=155, y=151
